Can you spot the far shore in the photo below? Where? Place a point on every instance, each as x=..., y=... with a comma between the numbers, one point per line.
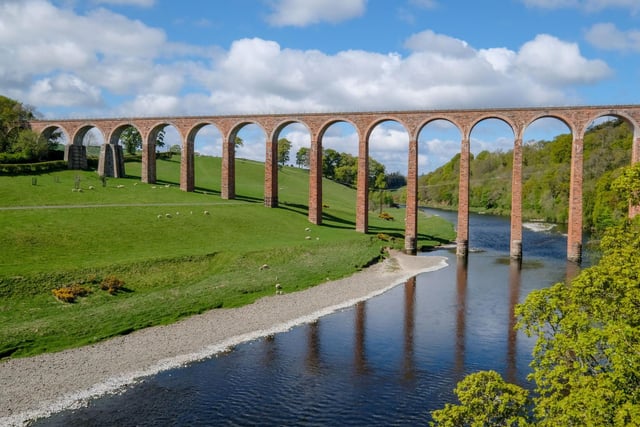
x=35, y=387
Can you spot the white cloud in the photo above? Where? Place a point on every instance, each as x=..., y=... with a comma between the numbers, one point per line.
x=64, y=90
x=552, y=61
x=608, y=37
x=300, y=13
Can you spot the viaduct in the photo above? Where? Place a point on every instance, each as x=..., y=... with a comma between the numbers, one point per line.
x=577, y=120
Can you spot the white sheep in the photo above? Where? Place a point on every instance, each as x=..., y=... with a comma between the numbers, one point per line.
x=206, y=212
x=168, y=215
x=159, y=216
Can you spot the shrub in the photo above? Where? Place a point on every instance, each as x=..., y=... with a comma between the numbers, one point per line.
x=386, y=216
x=70, y=293
x=111, y=284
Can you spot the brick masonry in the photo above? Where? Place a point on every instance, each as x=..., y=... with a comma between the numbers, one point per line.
x=518, y=119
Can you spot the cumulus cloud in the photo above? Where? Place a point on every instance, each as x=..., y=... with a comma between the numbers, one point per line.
x=555, y=62
x=608, y=37
x=300, y=13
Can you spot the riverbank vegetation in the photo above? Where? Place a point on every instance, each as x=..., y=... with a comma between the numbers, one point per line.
x=586, y=361
x=172, y=253
x=546, y=178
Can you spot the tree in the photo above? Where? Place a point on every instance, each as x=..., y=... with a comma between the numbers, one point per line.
x=303, y=157
x=486, y=400
x=14, y=118
x=284, y=147
x=132, y=140
x=586, y=361
x=32, y=145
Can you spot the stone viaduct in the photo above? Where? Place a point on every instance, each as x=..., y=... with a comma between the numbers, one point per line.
x=577, y=120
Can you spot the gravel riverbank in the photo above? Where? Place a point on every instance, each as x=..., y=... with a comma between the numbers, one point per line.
x=36, y=386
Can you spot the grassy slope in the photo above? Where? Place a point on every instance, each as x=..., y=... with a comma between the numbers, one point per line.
x=172, y=267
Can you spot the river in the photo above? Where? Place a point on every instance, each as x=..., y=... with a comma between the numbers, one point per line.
x=387, y=361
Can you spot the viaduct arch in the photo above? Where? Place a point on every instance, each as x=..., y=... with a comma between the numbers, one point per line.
x=577, y=120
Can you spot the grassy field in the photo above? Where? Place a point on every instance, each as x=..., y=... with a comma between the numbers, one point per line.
x=173, y=259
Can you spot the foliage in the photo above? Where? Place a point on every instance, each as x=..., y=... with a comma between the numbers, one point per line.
x=284, y=147
x=302, y=157
x=485, y=400
x=586, y=361
x=111, y=284
x=546, y=178
x=70, y=293
x=131, y=139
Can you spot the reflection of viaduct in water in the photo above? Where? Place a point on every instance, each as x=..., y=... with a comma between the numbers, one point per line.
x=461, y=308
x=518, y=119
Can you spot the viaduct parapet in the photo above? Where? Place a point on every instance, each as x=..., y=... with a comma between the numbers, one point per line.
x=577, y=120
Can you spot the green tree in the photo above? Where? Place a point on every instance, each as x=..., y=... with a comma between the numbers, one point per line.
x=485, y=400
x=32, y=146
x=14, y=118
x=284, y=147
x=132, y=140
x=303, y=157
x=586, y=361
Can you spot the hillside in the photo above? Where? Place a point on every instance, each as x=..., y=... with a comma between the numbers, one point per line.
x=166, y=254
x=546, y=176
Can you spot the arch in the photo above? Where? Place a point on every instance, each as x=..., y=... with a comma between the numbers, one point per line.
x=188, y=174
x=298, y=134
x=48, y=131
x=229, y=162
x=389, y=143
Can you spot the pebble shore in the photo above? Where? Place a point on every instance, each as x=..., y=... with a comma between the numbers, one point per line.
x=37, y=386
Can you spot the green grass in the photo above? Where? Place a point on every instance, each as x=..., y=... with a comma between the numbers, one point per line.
x=172, y=266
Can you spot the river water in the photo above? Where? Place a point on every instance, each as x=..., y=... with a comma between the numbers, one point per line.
x=387, y=361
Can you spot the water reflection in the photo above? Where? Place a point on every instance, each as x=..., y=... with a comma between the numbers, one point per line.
x=360, y=356
x=408, y=365
x=515, y=279
x=461, y=309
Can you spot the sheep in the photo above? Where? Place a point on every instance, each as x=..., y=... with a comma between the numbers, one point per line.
x=264, y=267
x=91, y=187
x=206, y=212
x=159, y=216
x=120, y=186
x=308, y=238
x=168, y=215
x=307, y=229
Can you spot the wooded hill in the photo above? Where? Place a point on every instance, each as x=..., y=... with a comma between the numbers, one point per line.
x=546, y=176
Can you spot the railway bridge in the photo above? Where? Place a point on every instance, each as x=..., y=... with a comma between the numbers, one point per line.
x=577, y=119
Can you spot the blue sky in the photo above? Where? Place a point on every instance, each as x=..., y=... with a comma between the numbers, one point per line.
x=73, y=58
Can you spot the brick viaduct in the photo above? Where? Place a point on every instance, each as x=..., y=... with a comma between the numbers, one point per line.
x=518, y=119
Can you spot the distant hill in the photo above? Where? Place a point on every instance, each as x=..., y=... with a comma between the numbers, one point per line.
x=546, y=176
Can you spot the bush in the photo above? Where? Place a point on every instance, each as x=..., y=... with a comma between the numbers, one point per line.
x=386, y=216
x=29, y=168
x=111, y=284
x=70, y=293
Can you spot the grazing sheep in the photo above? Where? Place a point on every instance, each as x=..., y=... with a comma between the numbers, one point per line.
x=120, y=186
x=278, y=286
x=168, y=215
x=308, y=238
x=91, y=187
x=206, y=212
x=307, y=229
x=167, y=186
x=264, y=267
x=159, y=216
x=153, y=186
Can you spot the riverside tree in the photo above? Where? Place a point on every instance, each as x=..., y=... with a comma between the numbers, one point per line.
x=586, y=361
